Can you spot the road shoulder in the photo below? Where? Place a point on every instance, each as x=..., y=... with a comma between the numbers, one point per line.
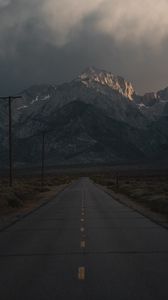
x=40, y=200
x=154, y=217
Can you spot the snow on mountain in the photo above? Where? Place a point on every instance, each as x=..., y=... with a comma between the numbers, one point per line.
x=97, y=117
x=154, y=105
x=112, y=94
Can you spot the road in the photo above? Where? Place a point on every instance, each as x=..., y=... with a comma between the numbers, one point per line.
x=84, y=245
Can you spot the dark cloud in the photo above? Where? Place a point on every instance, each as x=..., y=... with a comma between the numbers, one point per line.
x=37, y=45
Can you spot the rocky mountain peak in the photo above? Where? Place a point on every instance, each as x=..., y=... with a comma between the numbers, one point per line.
x=163, y=94
x=150, y=98
x=93, y=75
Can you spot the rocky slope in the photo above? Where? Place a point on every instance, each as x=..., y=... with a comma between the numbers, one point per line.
x=96, y=118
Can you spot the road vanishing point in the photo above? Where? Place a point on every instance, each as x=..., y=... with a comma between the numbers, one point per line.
x=84, y=245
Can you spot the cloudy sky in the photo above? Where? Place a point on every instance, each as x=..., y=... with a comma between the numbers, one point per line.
x=51, y=41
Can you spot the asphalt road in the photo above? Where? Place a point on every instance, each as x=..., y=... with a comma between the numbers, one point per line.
x=84, y=245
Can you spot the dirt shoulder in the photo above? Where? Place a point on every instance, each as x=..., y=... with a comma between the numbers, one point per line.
x=155, y=217
x=26, y=195
x=146, y=194
x=10, y=216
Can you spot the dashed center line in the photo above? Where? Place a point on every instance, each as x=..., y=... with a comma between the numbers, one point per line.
x=81, y=270
x=81, y=273
x=83, y=244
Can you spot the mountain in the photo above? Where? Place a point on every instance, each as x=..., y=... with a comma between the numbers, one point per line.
x=95, y=118
x=93, y=77
x=153, y=105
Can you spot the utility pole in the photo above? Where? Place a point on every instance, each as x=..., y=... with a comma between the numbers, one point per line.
x=10, y=98
x=117, y=180
x=42, y=159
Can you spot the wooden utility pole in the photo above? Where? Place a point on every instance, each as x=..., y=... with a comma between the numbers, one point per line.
x=117, y=180
x=10, y=98
x=42, y=159
x=10, y=144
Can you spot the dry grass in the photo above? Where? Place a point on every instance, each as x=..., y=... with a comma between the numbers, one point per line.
x=26, y=191
x=150, y=191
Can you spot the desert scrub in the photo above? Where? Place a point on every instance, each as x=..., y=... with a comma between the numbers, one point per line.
x=152, y=192
x=8, y=198
x=26, y=190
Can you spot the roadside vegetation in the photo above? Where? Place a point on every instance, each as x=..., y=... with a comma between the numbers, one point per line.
x=27, y=192
x=149, y=191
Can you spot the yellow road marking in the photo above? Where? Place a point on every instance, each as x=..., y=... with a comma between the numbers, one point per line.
x=81, y=273
x=82, y=220
x=82, y=229
x=83, y=244
x=83, y=213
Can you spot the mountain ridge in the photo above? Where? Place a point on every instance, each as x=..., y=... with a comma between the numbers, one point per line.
x=97, y=117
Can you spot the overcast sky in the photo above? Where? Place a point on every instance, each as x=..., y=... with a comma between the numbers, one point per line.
x=52, y=41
